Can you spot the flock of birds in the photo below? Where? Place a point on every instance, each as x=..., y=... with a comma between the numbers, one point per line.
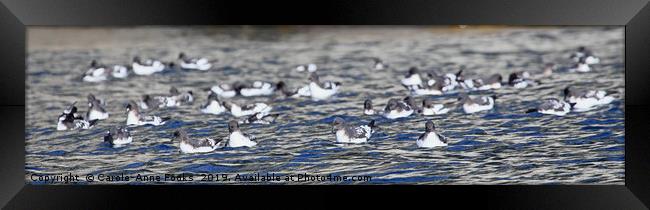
x=414, y=82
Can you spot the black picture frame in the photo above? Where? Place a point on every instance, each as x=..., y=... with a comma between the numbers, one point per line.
x=17, y=15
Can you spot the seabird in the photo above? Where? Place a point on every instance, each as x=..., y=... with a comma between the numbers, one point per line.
x=202, y=145
x=481, y=103
x=586, y=99
x=118, y=136
x=146, y=67
x=246, y=110
x=321, y=90
x=412, y=78
x=134, y=117
x=213, y=106
x=352, y=134
x=237, y=138
x=429, y=107
x=70, y=120
x=367, y=107
x=202, y=64
x=95, y=109
x=430, y=138
x=553, y=106
x=397, y=109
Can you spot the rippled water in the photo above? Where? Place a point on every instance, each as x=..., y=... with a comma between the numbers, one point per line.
x=502, y=146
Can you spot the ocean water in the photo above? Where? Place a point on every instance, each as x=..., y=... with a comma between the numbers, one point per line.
x=501, y=146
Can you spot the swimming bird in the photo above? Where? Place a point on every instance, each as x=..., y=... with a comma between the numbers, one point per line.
x=352, y=134
x=96, y=72
x=95, y=109
x=472, y=105
x=378, y=64
x=451, y=81
x=429, y=107
x=257, y=88
x=321, y=90
x=431, y=87
x=224, y=90
x=309, y=67
x=430, y=138
x=410, y=101
x=152, y=102
x=177, y=98
x=367, y=108
x=447, y=82
x=118, y=136
x=146, y=67
x=397, y=109
x=120, y=72
x=521, y=79
x=134, y=117
x=237, y=138
x=492, y=82
x=588, y=56
x=553, y=106
x=412, y=78
x=213, y=106
x=202, y=64
x=70, y=120
x=284, y=90
x=203, y=145
x=260, y=118
x=581, y=66
x=586, y=99
x=246, y=110
x=173, y=99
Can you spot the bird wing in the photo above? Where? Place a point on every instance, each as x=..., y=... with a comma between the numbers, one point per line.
x=207, y=142
x=357, y=132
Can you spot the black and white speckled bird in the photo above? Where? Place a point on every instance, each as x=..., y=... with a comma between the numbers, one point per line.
x=257, y=88
x=430, y=138
x=246, y=110
x=70, y=120
x=410, y=101
x=118, y=136
x=283, y=89
x=352, y=134
x=432, y=86
x=412, y=78
x=213, y=106
x=378, y=64
x=583, y=53
x=95, y=109
x=585, y=100
x=582, y=66
x=134, y=117
x=397, y=109
x=553, y=106
x=367, y=108
x=473, y=105
x=429, y=107
x=492, y=82
x=202, y=64
x=202, y=145
x=224, y=90
x=260, y=118
x=521, y=79
x=146, y=67
x=237, y=138
x=321, y=90
x=96, y=72
x=173, y=99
